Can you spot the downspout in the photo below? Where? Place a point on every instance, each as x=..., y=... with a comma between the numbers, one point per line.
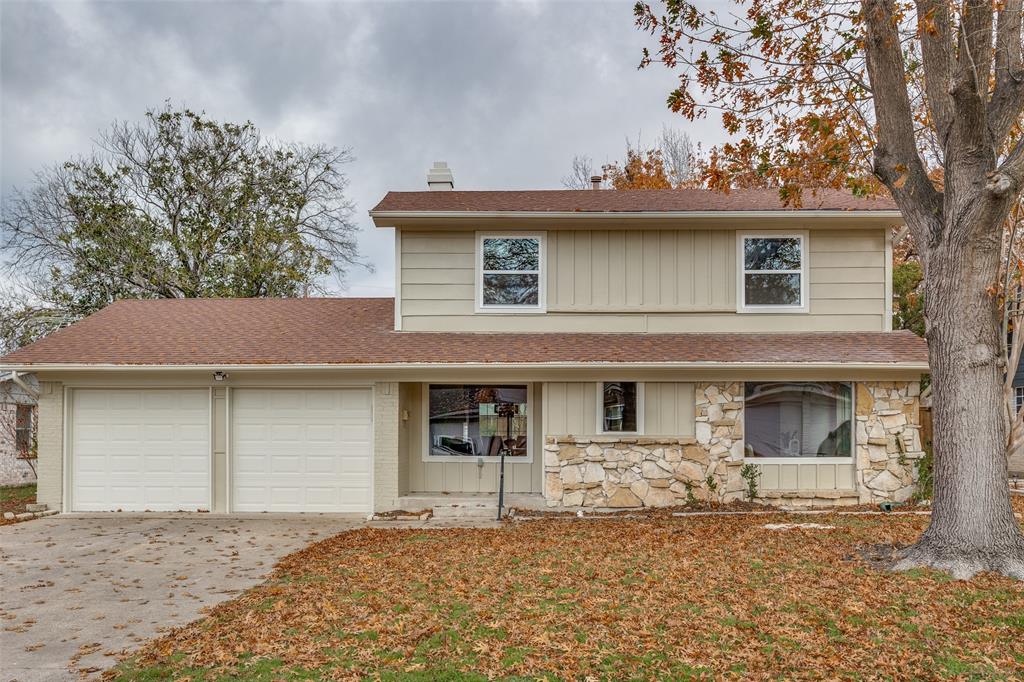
x=16, y=378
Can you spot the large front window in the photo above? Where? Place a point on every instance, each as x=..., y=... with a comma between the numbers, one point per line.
x=773, y=272
x=511, y=277
x=470, y=420
x=798, y=419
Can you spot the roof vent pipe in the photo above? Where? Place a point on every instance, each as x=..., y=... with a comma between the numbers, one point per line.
x=440, y=177
x=595, y=181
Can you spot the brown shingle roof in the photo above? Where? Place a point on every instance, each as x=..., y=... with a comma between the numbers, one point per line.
x=623, y=201
x=358, y=331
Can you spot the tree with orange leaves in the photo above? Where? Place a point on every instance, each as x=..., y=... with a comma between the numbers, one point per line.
x=640, y=170
x=671, y=163
x=924, y=100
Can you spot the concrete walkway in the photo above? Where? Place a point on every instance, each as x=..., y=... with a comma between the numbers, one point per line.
x=77, y=590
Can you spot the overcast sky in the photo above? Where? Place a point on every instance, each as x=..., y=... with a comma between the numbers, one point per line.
x=505, y=92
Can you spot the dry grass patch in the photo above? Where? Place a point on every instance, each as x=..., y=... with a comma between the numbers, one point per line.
x=684, y=598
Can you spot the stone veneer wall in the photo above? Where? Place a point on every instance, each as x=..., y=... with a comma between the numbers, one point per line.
x=888, y=439
x=658, y=471
x=653, y=471
x=13, y=469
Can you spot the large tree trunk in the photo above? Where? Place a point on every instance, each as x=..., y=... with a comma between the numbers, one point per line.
x=973, y=528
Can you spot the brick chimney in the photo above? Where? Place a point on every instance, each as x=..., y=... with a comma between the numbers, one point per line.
x=440, y=178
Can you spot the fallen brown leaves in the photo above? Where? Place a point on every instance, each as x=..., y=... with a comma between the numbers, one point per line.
x=606, y=599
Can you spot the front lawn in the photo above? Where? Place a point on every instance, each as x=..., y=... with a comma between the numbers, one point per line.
x=14, y=498
x=667, y=599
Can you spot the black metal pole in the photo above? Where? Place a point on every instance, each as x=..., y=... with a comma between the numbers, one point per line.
x=501, y=466
x=501, y=485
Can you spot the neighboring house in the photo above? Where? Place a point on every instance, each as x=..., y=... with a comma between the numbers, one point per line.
x=652, y=341
x=17, y=434
x=1016, y=462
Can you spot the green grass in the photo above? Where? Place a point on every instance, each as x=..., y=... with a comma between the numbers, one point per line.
x=18, y=494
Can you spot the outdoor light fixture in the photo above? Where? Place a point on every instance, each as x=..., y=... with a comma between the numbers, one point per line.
x=220, y=376
x=509, y=411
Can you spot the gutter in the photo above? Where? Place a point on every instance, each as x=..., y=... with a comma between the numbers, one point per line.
x=76, y=367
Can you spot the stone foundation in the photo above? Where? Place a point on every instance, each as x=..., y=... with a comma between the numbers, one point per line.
x=888, y=440
x=653, y=471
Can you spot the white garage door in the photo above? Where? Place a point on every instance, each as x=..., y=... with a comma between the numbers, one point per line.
x=301, y=449
x=140, y=450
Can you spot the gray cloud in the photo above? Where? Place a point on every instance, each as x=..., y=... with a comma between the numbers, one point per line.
x=506, y=92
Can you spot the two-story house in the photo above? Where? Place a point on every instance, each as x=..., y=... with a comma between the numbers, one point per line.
x=623, y=348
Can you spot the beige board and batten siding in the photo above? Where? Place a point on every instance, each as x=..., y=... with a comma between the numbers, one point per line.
x=570, y=408
x=419, y=476
x=805, y=475
x=644, y=281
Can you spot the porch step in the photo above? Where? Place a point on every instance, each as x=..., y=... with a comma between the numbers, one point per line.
x=466, y=509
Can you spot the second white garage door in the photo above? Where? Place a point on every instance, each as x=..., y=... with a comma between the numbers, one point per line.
x=301, y=449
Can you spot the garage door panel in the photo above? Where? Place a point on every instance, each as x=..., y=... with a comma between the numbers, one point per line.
x=285, y=400
x=285, y=496
x=92, y=463
x=301, y=449
x=283, y=434
x=195, y=433
x=353, y=465
x=138, y=450
x=323, y=433
x=283, y=463
x=245, y=497
x=357, y=400
x=321, y=464
x=192, y=465
x=249, y=464
x=114, y=400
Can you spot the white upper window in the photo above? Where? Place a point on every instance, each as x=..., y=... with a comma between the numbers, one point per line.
x=510, y=273
x=1018, y=395
x=772, y=270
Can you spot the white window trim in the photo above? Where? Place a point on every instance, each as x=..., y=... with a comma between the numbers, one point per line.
x=541, y=306
x=1018, y=397
x=640, y=391
x=741, y=272
x=850, y=459
x=425, y=412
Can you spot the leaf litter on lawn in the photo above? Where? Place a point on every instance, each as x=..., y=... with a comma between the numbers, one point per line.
x=661, y=598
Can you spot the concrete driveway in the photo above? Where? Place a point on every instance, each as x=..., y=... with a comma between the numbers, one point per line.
x=77, y=590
